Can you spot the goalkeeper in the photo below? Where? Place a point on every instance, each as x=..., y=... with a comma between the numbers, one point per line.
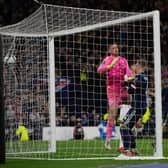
x=137, y=89
x=115, y=67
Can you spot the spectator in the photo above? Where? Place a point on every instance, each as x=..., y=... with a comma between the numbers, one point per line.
x=78, y=132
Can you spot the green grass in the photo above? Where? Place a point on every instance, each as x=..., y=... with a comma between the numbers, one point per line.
x=72, y=164
x=78, y=149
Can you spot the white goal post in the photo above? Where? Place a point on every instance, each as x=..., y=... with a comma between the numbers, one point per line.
x=50, y=79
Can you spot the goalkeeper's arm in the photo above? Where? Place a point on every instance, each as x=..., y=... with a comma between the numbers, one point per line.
x=129, y=82
x=112, y=63
x=105, y=66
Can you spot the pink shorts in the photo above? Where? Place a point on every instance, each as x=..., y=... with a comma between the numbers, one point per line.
x=115, y=95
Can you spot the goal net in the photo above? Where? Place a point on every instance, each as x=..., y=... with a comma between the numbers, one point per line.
x=51, y=84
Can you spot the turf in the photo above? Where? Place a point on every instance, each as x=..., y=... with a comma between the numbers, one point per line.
x=72, y=163
x=79, y=149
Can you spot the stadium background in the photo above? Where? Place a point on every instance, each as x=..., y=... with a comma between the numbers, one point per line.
x=12, y=11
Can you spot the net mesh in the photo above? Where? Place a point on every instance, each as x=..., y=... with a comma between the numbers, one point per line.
x=50, y=19
x=80, y=91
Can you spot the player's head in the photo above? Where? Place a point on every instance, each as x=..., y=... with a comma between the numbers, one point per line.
x=140, y=65
x=113, y=49
x=141, y=62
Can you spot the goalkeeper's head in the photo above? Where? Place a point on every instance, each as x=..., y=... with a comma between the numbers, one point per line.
x=113, y=49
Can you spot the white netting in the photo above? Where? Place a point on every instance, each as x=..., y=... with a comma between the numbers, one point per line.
x=51, y=19
x=81, y=40
x=26, y=93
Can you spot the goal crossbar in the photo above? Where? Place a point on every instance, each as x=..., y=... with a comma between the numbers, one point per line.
x=82, y=29
x=105, y=24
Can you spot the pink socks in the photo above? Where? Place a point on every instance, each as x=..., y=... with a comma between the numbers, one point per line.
x=110, y=124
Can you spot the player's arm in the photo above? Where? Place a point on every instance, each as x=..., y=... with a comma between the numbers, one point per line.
x=103, y=66
x=129, y=77
x=129, y=72
x=131, y=86
x=111, y=65
x=129, y=81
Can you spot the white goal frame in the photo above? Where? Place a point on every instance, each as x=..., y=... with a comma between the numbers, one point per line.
x=157, y=63
x=157, y=69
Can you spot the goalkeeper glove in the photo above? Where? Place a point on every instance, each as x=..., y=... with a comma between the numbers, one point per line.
x=113, y=63
x=146, y=116
x=129, y=81
x=105, y=117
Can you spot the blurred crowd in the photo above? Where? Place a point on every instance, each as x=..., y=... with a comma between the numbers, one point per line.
x=162, y=6
x=12, y=11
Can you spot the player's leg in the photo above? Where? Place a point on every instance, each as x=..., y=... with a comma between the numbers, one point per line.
x=124, y=108
x=138, y=126
x=110, y=125
x=113, y=110
x=126, y=131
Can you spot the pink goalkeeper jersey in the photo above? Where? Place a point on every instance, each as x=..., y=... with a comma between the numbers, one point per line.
x=115, y=76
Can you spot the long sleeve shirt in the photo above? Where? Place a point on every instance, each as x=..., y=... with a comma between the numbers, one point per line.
x=115, y=75
x=138, y=91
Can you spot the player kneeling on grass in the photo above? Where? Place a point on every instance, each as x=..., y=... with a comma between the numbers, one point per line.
x=138, y=90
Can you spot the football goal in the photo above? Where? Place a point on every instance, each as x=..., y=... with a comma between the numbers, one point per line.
x=55, y=102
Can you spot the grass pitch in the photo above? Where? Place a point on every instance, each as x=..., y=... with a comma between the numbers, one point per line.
x=76, y=149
